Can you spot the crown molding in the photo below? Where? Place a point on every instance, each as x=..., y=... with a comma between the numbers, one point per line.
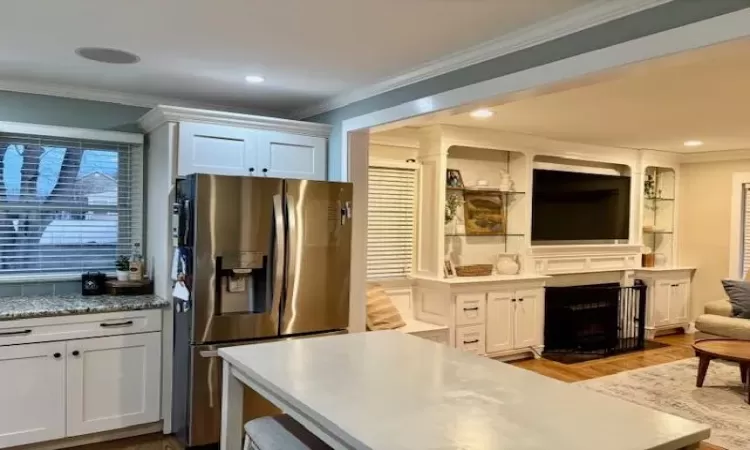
x=715, y=156
x=575, y=20
x=107, y=96
x=163, y=114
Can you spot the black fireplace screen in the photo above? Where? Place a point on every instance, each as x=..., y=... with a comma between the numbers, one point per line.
x=600, y=319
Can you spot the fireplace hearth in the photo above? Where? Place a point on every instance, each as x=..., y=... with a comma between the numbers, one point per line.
x=593, y=321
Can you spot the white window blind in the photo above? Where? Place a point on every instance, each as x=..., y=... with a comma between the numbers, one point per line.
x=745, y=229
x=390, y=222
x=67, y=205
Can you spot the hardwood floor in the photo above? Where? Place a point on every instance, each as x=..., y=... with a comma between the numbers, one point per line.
x=679, y=347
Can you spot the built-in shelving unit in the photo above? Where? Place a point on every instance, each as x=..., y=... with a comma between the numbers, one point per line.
x=658, y=213
x=494, y=174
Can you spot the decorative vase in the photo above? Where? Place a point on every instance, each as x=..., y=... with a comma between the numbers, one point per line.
x=123, y=275
x=507, y=264
x=506, y=184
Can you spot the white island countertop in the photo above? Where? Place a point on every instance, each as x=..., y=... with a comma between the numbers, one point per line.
x=389, y=391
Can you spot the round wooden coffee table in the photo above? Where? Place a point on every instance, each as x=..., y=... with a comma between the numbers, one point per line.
x=726, y=349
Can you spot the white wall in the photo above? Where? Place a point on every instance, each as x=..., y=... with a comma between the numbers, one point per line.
x=704, y=224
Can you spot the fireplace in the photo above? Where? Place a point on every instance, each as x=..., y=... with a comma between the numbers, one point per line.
x=594, y=320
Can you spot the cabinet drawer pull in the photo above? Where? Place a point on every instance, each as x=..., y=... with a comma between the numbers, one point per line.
x=476, y=308
x=15, y=333
x=116, y=324
x=472, y=342
x=57, y=355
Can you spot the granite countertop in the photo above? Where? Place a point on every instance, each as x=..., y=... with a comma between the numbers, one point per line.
x=33, y=306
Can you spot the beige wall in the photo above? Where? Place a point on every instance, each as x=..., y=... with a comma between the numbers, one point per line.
x=704, y=220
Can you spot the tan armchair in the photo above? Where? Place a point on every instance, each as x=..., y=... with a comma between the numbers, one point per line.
x=718, y=321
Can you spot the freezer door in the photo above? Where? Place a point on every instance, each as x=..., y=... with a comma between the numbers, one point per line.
x=238, y=254
x=319, y=251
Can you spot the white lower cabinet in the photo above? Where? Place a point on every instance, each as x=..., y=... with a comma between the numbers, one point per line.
x=32, y=393
x=528, y=317
x=667, y=299
x=113, y=382
x=53, y=390
x=514, y=319
x=500, y=313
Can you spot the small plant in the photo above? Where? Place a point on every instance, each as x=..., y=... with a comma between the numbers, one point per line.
x=452, y=202
x=122, y=263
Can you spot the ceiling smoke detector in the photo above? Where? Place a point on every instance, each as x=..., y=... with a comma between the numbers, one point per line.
x=107, y=55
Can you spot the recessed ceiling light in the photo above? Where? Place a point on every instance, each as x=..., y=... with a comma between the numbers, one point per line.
x=107, y=55
x=692, y=143
x=254, y=79
x=481, y=113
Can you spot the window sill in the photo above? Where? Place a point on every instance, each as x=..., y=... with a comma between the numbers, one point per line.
x=42, y=278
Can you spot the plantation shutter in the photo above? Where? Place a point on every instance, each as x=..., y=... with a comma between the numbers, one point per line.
x=745, y=229
x=390, y=223
x=67, y=205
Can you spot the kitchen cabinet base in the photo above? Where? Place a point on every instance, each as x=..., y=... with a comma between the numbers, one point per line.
x=105, y=436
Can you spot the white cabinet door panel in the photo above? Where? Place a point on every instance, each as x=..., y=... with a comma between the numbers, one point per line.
x=282, y=155
x=660, y=307
x=32, y=393
x=500, y=317
x=678, y=301
x=113, y=382
x=216, y=150
x=527, y=322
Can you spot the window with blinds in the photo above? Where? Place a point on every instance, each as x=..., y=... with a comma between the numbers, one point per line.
x=390, y=221
x=66, y=205
x=745, y=229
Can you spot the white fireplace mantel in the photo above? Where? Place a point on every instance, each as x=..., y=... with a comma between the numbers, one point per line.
x=572, y=259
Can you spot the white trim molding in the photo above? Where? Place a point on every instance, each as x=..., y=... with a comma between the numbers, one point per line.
x=736, y=224
x=163, y=114
x=577, y=19
x=72, y=133
x=715, y=156
x=109, y=96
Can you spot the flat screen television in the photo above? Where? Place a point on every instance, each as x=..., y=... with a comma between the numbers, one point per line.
x=573, y=206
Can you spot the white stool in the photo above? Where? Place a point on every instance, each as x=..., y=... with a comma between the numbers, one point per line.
x=280, y=433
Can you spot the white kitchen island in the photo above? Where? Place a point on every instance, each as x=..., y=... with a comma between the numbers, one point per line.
x=390, y=391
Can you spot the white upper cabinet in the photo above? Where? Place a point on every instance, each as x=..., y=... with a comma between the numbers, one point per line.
x=113, y=382
x=222, y=143
x=216, y=149
x=32, y=393
x=283, y=155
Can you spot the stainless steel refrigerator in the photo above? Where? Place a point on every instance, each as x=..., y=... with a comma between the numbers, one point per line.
x=264, y=259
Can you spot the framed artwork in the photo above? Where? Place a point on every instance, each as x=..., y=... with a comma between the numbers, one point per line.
x=448, y=269
x=484, y=214
x=453, y=179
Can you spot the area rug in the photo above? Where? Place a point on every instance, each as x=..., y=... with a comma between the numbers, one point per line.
x=670, y=388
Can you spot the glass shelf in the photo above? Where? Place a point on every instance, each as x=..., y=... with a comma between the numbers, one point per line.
x=488, y=191
x=659, y=199
x=485, y=235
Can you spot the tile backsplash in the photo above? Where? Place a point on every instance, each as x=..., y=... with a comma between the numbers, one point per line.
x=44, y=288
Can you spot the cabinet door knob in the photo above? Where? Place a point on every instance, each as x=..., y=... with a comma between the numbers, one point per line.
x=265, y=170
x=57, y=355
x=76, y=353
x=513, y=300
x=520, y=299
x=252, y=169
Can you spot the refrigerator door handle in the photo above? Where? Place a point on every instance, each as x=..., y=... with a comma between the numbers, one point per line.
x=279, y=251
x=292, y=238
